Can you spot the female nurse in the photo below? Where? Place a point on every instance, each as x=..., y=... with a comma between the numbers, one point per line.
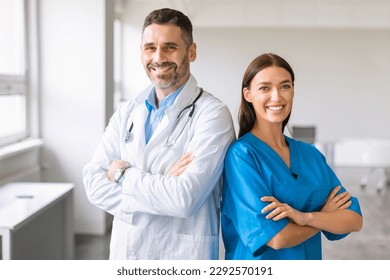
x=279, y=194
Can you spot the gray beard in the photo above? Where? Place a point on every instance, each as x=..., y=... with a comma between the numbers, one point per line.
x=170, y=80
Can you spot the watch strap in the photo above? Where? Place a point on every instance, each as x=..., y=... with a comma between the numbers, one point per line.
x=121, y=170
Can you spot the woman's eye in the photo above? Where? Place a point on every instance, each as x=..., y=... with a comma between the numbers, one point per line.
x=264, y=88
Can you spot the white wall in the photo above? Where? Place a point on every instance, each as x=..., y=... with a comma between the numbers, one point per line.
x=73, y=96
x=339, y=51
x=341, y=75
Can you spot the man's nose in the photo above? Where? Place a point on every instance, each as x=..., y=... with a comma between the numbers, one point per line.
x=159, y=56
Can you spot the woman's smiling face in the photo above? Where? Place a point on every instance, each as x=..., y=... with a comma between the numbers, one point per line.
x=271, y=92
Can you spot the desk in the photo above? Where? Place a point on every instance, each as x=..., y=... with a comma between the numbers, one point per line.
x=36, y=221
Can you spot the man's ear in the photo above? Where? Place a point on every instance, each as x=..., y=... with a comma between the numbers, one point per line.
x=192, y=52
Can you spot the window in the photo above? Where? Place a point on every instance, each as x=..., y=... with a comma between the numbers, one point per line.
x=13, y=81
x=118, y=62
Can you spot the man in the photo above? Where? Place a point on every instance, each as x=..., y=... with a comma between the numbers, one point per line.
x=159, y=164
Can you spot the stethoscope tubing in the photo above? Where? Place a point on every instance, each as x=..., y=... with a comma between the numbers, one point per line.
x=192, y=106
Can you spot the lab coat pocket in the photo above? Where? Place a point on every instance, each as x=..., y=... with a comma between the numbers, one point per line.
x=119, y=240
x=196, y=247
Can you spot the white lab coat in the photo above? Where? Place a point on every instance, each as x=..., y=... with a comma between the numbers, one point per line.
x=158, y=216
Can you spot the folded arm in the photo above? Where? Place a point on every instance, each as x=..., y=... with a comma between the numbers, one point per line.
x=333, y=217
x=182, y=196
x=164, y=193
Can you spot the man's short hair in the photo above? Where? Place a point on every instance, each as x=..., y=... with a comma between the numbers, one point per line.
x=170, y=16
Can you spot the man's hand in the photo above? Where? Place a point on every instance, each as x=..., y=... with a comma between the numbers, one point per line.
x=115, y=164
x=182, y=165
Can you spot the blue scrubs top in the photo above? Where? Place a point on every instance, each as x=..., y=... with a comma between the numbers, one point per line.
x=254, y=170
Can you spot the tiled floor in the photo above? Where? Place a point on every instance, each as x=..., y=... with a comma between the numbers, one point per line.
x=92, y=247
x=371, y=243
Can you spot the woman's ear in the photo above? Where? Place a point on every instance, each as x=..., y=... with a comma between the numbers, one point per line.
x=247, y=94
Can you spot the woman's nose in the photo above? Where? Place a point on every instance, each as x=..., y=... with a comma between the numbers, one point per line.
x=275, y=95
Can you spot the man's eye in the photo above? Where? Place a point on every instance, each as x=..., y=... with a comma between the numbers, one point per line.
x=170, y=48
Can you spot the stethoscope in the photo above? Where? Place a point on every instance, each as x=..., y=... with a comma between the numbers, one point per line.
x=172, y=138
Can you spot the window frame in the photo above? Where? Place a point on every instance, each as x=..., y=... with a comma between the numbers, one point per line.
x=17, y=84
x=14, y=85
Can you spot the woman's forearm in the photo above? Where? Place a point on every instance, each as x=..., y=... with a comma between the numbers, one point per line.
x=291, y=235
x=340, y=221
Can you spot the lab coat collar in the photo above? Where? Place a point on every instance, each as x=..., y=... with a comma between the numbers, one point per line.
x=184, y=98
x=187, y=94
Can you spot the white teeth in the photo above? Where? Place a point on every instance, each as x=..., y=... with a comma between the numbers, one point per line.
x=162, y=69
x=275, y=108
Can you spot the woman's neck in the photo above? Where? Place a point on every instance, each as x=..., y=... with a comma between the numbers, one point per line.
x=271, y=134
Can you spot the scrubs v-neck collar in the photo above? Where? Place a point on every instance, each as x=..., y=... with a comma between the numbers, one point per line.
x=294, y=157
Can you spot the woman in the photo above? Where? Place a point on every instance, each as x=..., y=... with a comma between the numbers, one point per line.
x=279, y=194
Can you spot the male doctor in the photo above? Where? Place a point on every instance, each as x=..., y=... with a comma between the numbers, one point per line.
x=158, y=166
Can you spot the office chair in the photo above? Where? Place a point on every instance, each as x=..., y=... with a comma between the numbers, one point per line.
x=305, y=134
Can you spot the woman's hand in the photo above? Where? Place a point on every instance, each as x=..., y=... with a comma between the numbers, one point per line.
x=179, y=167
x=280, y=210
x=337, y=201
